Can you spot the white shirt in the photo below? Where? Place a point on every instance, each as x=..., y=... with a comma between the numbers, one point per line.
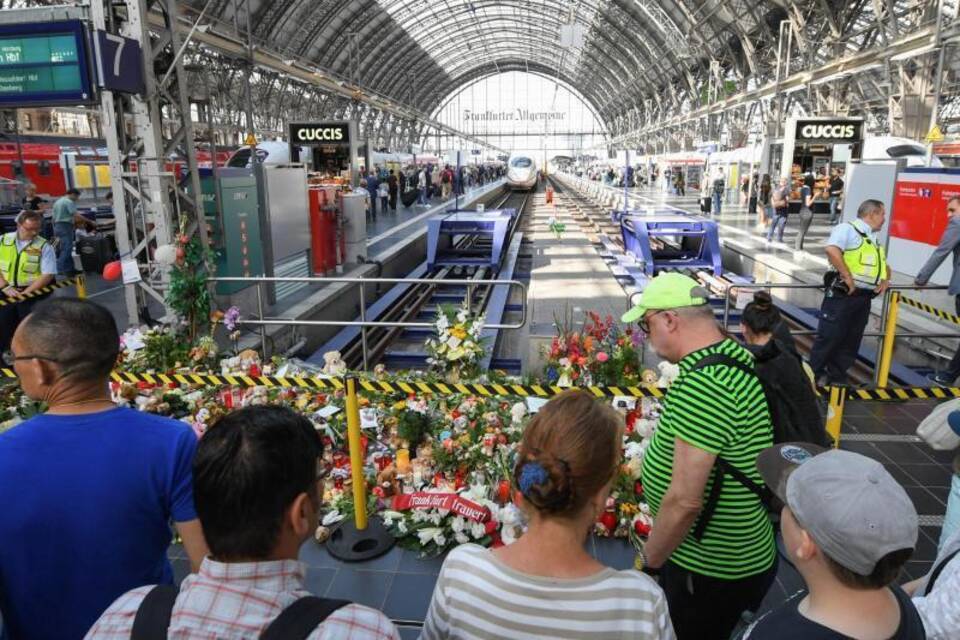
x=940, y=610
x=478, y=597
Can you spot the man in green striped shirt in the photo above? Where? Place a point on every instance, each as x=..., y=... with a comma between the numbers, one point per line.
x=714, y=571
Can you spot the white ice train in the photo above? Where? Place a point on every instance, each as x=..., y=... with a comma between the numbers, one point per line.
x=521, y=172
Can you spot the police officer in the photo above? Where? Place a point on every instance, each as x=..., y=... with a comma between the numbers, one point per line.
x=27, y=263
x=860, y=272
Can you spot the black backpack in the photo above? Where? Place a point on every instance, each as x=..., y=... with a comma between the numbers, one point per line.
x=784, y=430
x=296, y=622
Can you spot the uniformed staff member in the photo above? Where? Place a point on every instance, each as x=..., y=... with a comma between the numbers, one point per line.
x=27, y=263
x=860, y=272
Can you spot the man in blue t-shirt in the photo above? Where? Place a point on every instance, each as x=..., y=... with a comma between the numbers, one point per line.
x=88, y=490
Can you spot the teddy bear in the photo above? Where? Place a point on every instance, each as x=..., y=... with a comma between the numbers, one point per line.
x=668, y=373
x=333, y=364
x=387, y=480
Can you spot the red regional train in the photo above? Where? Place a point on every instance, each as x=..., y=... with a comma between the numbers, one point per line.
x=80, y=163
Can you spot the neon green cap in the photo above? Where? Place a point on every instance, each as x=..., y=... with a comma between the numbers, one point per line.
x=668, y=291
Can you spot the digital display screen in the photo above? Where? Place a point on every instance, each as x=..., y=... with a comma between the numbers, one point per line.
x=44, y=64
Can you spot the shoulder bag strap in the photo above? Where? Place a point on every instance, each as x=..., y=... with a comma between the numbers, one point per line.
x=722, y=467
x=153, y=615
x=938, y=570
x=301, y=618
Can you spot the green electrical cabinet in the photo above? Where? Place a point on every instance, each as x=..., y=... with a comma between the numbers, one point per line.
x=236, y=237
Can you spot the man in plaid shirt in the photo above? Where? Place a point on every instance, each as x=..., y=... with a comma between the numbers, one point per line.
x=256, y=494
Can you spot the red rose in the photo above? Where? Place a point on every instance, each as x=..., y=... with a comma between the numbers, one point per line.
x=490, y=526
x=378, y=491
x=642, y=528
x=254, y=371
x=608, y=520
x=496, y=541
x=638, y=488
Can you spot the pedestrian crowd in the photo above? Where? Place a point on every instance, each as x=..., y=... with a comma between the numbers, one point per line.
x=90, y=491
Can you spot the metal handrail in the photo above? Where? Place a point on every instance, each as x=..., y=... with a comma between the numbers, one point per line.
x=363, y=323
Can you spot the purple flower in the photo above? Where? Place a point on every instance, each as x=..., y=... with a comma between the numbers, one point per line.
x=636, y=339
x=230, y=318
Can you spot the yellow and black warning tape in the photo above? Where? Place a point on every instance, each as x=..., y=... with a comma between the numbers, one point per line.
x=325, y=383
x=922, y=306
x=69, y=282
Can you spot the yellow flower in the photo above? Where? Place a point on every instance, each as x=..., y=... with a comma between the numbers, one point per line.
x=458, y=332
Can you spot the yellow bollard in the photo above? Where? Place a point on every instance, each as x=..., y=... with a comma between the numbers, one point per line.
x=838, y=396
x=889, y=335
x=81, y=285
x=356, y=456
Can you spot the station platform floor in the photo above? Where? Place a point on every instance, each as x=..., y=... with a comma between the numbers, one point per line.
x=567, y=276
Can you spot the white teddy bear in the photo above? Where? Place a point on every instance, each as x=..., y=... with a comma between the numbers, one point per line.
x=334, y=364
x=668, y=373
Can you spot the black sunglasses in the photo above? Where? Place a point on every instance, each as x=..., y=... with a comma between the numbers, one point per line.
x=9, y=358
x=644, y=323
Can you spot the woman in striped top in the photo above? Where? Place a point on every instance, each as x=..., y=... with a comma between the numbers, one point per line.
x=546, y=585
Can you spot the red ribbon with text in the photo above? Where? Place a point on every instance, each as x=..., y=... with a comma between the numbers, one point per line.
x=449, y=501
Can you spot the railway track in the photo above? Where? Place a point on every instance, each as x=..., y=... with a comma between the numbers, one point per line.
x=402, y=346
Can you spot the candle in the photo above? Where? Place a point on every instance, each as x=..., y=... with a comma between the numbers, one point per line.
x=403, y=460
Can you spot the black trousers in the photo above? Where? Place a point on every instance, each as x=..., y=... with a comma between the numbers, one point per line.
x=705, y=608
x=11, y=315
x=842, y=322
x=806, y=218
x=953, y=369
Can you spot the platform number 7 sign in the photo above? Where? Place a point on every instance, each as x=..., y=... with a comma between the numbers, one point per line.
x=119, y=63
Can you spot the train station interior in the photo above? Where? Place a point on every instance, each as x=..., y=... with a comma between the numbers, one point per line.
x=479, y=319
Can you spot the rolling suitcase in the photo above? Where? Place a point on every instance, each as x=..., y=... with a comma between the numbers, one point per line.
x=705, y=204
x=95, y=251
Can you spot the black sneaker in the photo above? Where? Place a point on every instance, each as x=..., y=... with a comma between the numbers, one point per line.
x=939, y=380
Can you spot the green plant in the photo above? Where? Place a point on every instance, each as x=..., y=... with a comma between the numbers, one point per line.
x=189, y=295
x=163, y=350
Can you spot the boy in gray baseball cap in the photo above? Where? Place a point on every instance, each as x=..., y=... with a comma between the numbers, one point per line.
x=848, y=528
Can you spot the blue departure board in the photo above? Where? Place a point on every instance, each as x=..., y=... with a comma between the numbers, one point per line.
x=43, y=64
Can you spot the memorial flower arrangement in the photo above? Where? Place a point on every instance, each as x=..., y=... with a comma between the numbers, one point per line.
x=437, y=467
x=458, y=348
x=435, y=520
x=600, y=353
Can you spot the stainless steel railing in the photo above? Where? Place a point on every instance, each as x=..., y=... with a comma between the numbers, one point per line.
x=363, y=323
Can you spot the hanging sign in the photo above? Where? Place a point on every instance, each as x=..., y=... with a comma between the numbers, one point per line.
x=829, y=131
x=119, y=62
x=44, y=64
x=317, y=133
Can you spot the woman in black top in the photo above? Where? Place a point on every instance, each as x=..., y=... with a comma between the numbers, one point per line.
x=32, y=201
x=793, y=405
x=765, y=209
x=807, y=196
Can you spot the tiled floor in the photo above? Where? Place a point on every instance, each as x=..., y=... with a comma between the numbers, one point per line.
x=400, y=583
